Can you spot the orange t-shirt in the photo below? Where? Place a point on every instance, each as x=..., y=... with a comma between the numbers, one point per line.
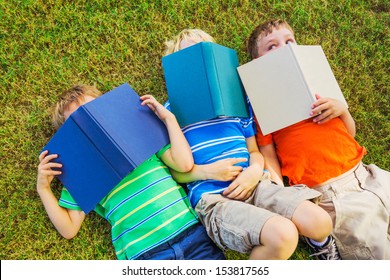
x=311, y=153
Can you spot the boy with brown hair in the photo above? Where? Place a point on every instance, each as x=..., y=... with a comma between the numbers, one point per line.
x=357, y=196
x=149, y=213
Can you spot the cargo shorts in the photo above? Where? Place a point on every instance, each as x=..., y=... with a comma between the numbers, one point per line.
x=359, y=203
x=237, y=225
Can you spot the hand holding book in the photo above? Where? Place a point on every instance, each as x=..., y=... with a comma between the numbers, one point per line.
x=103, y=141
x=326, y=108
x=161, y=112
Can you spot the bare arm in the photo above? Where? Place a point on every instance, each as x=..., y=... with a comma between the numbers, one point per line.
x=222, y=170
x=179, y=156
x=271, y=163
x=246, y=182
x=67, y=222
x=325, y=109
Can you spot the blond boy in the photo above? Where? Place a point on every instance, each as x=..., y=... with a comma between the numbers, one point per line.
x=148, y=211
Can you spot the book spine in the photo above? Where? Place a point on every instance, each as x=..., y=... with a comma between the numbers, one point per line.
x=104, y=143
x=212, y=78
x=310, y=94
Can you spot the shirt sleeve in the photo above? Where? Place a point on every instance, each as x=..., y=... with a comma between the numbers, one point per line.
x=248, y=124
x=163, y=150
x=67, y=201
x=262, y=140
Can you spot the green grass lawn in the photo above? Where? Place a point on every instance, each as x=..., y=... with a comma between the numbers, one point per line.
x=46, y=46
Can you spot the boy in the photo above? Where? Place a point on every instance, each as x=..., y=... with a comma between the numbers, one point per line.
x=149, y=213
x=356, y=196
x=238, y=212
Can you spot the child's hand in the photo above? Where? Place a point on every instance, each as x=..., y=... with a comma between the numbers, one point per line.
x=325, y=109
x=224, y=170
x=45, y=172
x=161, y=112
x=244, y=185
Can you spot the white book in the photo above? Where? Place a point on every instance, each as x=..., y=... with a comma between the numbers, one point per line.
x=281, y=85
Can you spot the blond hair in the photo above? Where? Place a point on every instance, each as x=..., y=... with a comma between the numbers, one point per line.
x=196, y=35
x=261, y=31
x=75, y=94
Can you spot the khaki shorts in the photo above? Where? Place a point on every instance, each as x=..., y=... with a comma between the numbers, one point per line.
x=237, y=225
x=359, y=203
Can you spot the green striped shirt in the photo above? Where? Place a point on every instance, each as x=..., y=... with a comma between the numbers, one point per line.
x=145, y=209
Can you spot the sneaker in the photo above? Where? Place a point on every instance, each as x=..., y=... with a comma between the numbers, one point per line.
x=326, y=252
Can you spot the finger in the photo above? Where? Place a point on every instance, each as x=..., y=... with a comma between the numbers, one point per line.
x=231, y=194
x=233, y=185
x=320, y=108
x=52, y=165
x=146, y=101
x=238, y=160
x=316, y=112
x=243, y=195
x=324, y=120
x=146, y=96
x=319, y=102
x=236, y=169
x=150, y=104
x=236, y=173
x=325, y=114
x=43, y=154
x=51, y=172
x=236, y=194
x=48, y=158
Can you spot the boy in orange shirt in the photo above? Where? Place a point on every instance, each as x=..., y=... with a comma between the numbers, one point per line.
x=322, y=153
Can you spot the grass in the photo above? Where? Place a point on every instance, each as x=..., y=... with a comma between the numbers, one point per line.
x=46, y=46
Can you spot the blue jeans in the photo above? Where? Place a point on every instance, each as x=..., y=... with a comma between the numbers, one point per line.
x=191, y=244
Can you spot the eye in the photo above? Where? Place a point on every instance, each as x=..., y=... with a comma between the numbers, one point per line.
x=271, y=47
x=292, y=41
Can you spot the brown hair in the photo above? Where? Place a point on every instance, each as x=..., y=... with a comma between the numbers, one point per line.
x=262, y=31
x=74, y=94
x=196, y=35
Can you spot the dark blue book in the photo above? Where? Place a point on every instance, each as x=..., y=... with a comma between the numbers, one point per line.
x=103, y=141
x=203, y=83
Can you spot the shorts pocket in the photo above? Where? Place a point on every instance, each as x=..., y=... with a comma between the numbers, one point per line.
x=232, y=237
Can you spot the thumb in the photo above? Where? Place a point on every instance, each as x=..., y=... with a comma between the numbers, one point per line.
x=238, y=160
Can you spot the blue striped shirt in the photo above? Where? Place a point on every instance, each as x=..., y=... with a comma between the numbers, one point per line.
x=214, y=140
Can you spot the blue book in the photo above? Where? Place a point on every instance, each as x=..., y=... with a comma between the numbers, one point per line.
x=203, y=83
x=103, y=141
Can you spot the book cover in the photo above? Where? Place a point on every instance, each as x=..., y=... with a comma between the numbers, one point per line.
x=202, y=83
x=281, y=85
x=103, y=141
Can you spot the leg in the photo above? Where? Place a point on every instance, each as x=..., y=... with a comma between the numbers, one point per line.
x=312, y=221
x=358, y=202
x=278, y=239
x=243, y=227
x=197, y=245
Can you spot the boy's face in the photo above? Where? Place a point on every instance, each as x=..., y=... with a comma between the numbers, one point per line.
x=74, y=106
x=275, y=40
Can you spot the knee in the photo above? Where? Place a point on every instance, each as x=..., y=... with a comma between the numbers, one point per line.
x=313, y=221
x=280, y=236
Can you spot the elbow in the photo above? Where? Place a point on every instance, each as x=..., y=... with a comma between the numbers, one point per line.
x=68, y=234
x=186, y=166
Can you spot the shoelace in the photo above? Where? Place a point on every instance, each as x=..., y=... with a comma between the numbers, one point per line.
x=330, y=251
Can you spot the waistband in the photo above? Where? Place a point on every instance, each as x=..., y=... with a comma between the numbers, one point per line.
x=329, y=187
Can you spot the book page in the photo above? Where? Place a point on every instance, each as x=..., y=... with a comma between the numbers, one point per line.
x=317, y=72
x=276, y=90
